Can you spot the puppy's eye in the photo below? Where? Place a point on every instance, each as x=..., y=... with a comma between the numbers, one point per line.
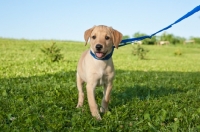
x=94, y=37
x=107, y=37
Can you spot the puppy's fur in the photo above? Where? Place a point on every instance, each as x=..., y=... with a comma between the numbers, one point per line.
x=97, y=72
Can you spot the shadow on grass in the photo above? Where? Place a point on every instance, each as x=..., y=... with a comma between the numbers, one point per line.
x=142, y=85
x=127, y=84
x=53, y=97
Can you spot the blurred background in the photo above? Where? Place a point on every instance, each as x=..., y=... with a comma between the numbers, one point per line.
x=67, y=20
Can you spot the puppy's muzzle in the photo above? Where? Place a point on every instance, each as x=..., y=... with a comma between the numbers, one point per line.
x=98, y=52
x=99, y=47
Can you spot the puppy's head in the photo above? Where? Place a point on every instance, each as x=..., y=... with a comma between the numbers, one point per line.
x=102, y=39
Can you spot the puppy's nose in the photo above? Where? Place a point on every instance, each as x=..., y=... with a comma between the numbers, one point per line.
x=99, y=47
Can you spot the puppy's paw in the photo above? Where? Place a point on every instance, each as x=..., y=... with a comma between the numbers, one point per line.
x=79, y=105
x=103, y=110
x=96, y=115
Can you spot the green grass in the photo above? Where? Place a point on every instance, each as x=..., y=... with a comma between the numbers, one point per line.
x=161, y=93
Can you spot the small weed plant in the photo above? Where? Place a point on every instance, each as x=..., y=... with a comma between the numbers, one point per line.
x=53, y=52
x=178, y=52
x=140, y=52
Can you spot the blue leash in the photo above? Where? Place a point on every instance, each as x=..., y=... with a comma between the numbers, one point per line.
x=130, y=40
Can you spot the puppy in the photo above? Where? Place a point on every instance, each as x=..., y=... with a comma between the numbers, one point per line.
x=95, y=66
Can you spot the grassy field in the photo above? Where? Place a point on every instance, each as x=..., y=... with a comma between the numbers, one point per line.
x=160, y=93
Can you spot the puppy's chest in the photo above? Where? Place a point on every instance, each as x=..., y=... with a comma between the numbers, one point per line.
x=105, y=78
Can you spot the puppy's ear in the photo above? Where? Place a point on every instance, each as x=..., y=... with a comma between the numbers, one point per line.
x=87, y=34
x=117, y=38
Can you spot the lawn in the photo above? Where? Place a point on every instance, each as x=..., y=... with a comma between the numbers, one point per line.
x=159, y=93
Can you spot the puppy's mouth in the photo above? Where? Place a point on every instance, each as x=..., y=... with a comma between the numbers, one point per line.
x=100, y=55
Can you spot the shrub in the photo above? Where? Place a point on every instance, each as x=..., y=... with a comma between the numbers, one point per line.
x=140, y=52
x=178, y=52
x=53, y=52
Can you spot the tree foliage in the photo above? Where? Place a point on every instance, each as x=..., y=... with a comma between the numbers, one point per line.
x=126, y=37
x=147, y=41
x=172, y=39
x=196, y=39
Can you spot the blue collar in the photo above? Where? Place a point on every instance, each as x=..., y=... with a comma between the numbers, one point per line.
x=105, y=58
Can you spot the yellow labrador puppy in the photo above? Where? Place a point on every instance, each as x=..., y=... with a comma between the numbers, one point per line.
x=95, y=66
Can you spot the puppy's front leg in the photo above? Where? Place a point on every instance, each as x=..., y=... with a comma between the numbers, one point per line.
x=91, y=100
x=106, y=97
x=80, y=91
